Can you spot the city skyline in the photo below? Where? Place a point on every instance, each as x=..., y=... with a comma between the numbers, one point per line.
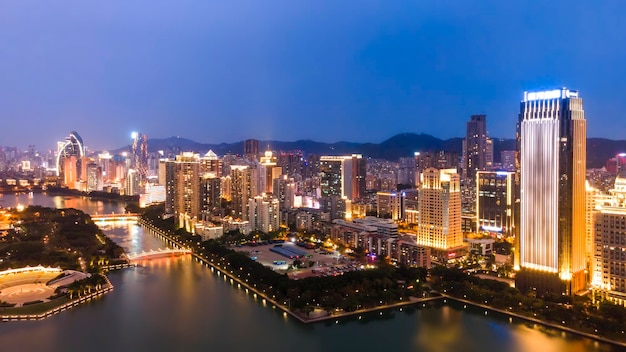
x=199, y=69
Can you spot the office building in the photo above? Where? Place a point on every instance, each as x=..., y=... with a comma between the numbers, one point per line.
x=495, y=201
x=438, y=160
x=508, y=160
x=477, y=147
x=342, y=176
x=251, y=149
x=552, y=153
x=268, y=172
x=439, y=219
x=139, y=155
x=285, y=191
x=390, y=205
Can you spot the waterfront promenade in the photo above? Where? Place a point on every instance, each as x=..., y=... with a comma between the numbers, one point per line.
x=536, y=321
x=313, y=318
x=284, y=306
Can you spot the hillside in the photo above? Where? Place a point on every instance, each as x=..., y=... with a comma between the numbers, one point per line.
x=599, y=150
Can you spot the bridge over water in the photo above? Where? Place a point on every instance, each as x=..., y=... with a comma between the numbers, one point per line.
x=167, y=252
x=114, y=217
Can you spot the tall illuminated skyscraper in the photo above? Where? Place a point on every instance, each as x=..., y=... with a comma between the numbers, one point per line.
x=552, y=150
x=139, y=151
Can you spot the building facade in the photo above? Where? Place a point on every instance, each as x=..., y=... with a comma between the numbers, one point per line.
x=439, y=219
x=495, y=201
x=552, y=151
x=477, y=147
x=609, y=257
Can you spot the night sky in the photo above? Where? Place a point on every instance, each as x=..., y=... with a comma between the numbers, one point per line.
x=361, y=71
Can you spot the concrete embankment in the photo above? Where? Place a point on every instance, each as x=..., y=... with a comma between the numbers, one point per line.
x=284, y=307
x=537, y=321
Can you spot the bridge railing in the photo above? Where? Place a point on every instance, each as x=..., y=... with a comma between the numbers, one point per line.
x=156, y=253
x=103, y=217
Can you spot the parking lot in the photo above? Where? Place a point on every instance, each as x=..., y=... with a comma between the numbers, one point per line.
x=324, y=264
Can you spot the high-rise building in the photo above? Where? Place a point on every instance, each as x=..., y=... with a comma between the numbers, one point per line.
x=73, y=146
x=210, y=162
x=390, y=205
x=552, y=150
x=131, y=186
x=94, y=177
x=139, y=154
x=439, y=220
x=342, y=176
x=268, y=171
x=187, y=201
x=251, y=149
x=477, y=147
x=263, y=214
x=292, y=162
x=508, y=160
x=438, y=160
x=592, y=197
x=609, y=261
x=70, y=171
x=495, y=201
x=211, y=192
x=242, y=189
x=406, y=171
x=284, y=191
x=166, y=178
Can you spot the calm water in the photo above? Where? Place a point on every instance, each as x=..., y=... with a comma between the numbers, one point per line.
x=179, y=305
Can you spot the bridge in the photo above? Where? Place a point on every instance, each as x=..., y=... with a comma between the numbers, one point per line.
x=158, y=253
x=114, y=217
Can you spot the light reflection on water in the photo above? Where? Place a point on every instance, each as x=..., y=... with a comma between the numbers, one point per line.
x=176, y=304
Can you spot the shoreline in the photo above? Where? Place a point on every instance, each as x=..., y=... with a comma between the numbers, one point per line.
x=283, y=307
x=410, y=302
x=71, y=193
x=538, y=321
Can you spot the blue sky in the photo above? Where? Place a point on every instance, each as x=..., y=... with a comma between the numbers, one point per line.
x=362, y=71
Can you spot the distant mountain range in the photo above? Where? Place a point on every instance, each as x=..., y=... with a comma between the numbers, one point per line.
x=599, y=150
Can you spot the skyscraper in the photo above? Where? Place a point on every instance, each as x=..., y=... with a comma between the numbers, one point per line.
x=477, y=147
x=552, y=150
x=241, y=190
x=495, y=198
x=251, y=149
x=187, y=193
x=139, y=151
x=342, y=176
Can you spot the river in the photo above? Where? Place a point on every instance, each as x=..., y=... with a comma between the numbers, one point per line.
x=176, y=304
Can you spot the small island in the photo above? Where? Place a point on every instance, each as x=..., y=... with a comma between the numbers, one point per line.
x=50, y=260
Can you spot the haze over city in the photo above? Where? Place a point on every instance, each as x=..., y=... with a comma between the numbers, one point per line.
x=290, y=70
